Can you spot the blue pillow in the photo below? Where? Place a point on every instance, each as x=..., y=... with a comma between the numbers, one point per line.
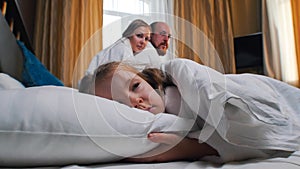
x=34, y=72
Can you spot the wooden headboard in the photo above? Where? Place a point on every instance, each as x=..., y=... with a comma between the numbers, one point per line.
x=13, y=28
x=20, y=16
x=11, y=58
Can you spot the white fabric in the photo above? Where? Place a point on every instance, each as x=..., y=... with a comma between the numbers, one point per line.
x=146, y=58
x=280, y=58
x=289, y=162
x=8, y=82
x=58, y=126
x=53, y=125
x=121, y=51
x=247, y=111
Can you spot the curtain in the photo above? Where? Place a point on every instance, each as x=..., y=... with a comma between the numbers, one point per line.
x=204, y=33
x=246, y=17
x=63, y=33
x=296, y=21
x=279, y=41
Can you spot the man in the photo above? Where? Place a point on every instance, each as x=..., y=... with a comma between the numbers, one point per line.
x=160, y=37
x=151, y=55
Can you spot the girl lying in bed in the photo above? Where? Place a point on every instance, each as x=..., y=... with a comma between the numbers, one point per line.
x=256, y=115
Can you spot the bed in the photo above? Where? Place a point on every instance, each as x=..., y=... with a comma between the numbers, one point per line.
x=47, y=125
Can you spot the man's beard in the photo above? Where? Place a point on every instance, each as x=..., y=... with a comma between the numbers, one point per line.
x=162, y=52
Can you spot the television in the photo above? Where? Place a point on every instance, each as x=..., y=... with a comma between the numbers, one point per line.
x=249, y=53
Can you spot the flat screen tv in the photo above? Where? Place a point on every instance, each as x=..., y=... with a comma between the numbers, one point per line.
x=249, y=53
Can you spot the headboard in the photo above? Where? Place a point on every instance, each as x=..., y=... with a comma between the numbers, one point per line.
x=12, y=28
x=11, y=59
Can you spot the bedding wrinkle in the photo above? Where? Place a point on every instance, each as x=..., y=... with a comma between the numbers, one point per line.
x=58, y=125
x=262, y=107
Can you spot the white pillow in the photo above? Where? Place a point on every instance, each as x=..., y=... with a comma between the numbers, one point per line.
x=53, y=125
x=8, y=82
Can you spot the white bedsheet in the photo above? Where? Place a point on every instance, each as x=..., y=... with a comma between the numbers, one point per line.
x=250, y=113
x=290, y=162
x=246, y=104
x=286, y=117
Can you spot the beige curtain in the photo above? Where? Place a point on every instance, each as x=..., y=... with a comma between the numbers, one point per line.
x=279, y=41
x=63, y=31
x=246, y=16
x=271, y=59
x=296, y=20
x=205, y=33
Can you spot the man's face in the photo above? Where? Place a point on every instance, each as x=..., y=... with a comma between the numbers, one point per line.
x=160, y=38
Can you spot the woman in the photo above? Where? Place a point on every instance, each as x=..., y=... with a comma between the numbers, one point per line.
x=134, y=39
x=252, y=116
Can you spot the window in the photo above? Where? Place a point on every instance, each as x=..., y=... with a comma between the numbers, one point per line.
x=119, y=13
x=114, y=13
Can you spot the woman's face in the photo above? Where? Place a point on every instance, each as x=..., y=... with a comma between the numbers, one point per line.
x=130, y=89
x=139, y=39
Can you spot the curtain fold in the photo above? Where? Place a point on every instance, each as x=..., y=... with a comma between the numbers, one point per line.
x=280, y=57
x=205, y=33
x=296, y=20
x=63, y=31
x=270, y=50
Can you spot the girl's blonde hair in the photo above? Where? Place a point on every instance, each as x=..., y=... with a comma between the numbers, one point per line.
x=155, y=77
x=107, y=70
x=102, y=73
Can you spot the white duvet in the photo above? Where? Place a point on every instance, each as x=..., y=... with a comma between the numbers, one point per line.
x=246, y=115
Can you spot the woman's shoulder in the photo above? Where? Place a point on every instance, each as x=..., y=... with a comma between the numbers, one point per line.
x=122, y=43
x=119, y=49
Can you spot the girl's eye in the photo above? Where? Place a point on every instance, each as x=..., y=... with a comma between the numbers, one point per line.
x=135, y=86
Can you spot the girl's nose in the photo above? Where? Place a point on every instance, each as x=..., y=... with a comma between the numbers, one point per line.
x=140, y=104
x=137, y=102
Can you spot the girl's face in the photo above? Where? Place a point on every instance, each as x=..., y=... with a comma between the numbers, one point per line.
x=130, y=89
x=139, y=39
